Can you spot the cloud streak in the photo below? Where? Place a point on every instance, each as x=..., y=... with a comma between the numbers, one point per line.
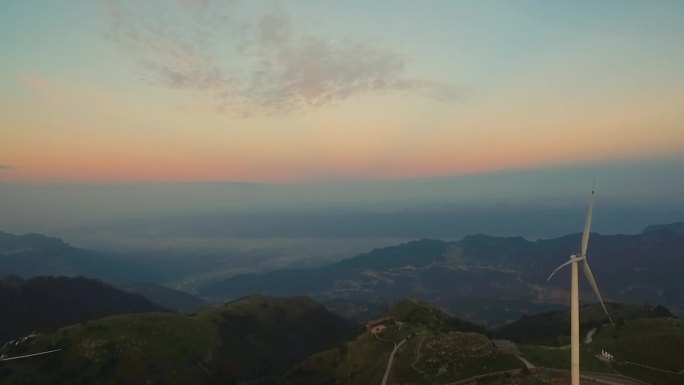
x=259, y=63
x=5, y=167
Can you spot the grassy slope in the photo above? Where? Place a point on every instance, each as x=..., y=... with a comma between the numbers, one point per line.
x=255, y=337
x=553, y=328
x=47, y=303
x=363, y=360
x=657, y=342
x=121, y=349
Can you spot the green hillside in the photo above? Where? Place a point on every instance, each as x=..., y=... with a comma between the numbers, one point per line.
x=654, y=342
x=553, y=328
x=46, y=303
x=255, y=337
x=427, y=317
x=436, y=349
x=294, y=341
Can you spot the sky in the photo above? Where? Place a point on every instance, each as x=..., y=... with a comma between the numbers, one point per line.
x=121, y=110
x=306, y=91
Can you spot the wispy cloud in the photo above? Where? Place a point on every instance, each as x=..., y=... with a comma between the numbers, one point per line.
x=256, y=62
x=37, y=82
x=61, y=94
x=5, y=167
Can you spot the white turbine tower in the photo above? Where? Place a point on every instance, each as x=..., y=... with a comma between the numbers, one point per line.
x=574, y=294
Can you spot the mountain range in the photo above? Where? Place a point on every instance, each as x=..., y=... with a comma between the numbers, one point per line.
x=645, y=267
x=485, y=279
x=32, y=255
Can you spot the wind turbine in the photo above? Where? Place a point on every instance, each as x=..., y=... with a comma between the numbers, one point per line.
x=574, y=294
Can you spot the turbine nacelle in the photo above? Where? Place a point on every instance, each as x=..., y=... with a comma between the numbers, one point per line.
x=590, y=277
x=573, y=258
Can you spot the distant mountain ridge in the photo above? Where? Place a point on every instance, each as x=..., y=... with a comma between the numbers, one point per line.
x=501, y=271
x=416, y=254
x=10, y=243
x=45, y=303
x=32, y=255
x=164, y=296
x=677, y=227
x=645, y=267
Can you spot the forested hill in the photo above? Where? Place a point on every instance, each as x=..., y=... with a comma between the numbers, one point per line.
x=46, y=303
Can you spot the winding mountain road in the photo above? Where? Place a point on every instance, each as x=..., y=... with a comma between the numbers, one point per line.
x=589, y=336
x=388, y=370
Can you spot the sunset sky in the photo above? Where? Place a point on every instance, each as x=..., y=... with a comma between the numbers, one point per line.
x=302, y=91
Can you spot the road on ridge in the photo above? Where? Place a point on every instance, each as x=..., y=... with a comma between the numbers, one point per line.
x=391, y=359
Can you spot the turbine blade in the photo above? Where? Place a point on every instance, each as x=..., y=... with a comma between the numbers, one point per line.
x=592, y=282
x=29, y=355
x=558, y=268
x=587, y=226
